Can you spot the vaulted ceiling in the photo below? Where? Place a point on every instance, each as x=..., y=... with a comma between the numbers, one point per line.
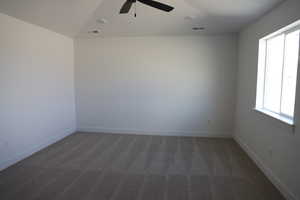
x=75, y=18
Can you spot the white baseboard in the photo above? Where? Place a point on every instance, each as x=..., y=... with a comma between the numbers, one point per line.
x=266, y=170
x=151, y=132
x=28, y=152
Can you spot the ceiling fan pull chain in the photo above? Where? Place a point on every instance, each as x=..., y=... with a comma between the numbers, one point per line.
x=135, y=10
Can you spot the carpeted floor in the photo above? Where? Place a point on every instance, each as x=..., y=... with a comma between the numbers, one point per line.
x=132, y=167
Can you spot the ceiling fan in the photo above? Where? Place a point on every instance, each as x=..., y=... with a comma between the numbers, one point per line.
x=127, y=5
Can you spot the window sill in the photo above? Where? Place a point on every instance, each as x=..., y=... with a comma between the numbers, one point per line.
x=281, y=118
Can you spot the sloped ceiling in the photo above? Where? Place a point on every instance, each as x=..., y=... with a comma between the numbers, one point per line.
x=75, y=18
x=63, y=16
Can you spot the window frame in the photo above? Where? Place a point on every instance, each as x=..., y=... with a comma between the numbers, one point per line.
x=261, y=75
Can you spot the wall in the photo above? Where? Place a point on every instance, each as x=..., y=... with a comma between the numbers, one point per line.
x=271, y=143
x=156, y=85
x=36, y=89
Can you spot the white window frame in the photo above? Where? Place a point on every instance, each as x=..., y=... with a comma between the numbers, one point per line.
x=261, y=75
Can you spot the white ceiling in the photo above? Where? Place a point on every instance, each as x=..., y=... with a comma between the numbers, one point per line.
x=76, y=17
x=62, y=16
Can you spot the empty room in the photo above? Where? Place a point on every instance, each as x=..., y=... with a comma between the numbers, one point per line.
x=149, y=100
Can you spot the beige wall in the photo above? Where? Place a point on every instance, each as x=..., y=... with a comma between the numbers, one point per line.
x=36, y=89
x=156, y=85
x=273, y=143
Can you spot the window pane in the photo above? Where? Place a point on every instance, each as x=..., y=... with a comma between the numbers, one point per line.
x=273, y=76
x=290, y=73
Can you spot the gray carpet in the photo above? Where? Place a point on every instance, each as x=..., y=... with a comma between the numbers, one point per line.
x=132, y=167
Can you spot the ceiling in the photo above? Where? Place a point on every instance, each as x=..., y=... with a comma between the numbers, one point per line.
x=76, y=18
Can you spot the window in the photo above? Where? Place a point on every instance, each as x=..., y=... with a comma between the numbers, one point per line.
x=277, y=73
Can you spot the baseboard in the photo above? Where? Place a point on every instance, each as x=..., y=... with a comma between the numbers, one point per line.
x=266, y=170
x=151, y=132
x=28, y=152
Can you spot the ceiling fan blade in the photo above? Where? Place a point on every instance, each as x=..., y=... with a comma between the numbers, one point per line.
x=157, y=5
x=126, y=6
